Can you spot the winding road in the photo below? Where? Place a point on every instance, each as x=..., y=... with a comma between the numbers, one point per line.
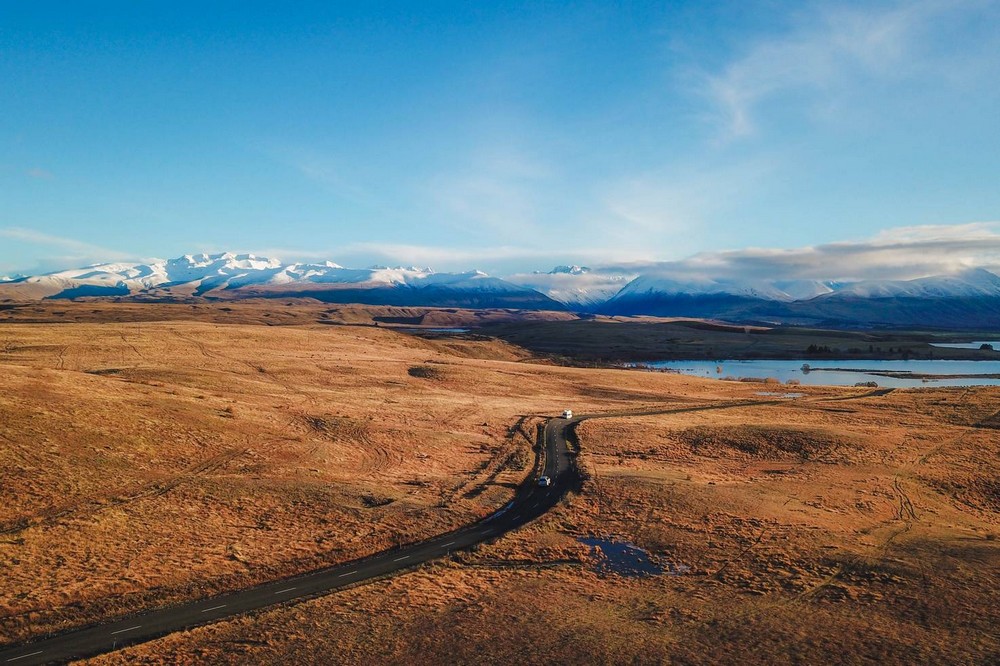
x=530, y=501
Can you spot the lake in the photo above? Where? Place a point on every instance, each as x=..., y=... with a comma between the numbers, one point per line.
x=845, y=372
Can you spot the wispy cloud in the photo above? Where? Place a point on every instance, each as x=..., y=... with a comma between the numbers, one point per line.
x=59, y=252
x=901, y=253
x=823, y=57
x=329, y=171
x=668, y=212
x=500, y=190
x=497, y=258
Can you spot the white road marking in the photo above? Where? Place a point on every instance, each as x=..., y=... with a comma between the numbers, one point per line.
x=447, y=544
x=349, y=573
x=400, y=559
x=502, y=511
x=30, y=654
x=287, y=589
x=122, y=631
x=515, y=517
x=214, y=608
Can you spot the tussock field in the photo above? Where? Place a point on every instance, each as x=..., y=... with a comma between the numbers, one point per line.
x=145, y=464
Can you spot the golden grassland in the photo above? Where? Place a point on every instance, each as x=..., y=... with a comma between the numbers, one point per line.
x=270, y=312
x=144, y=465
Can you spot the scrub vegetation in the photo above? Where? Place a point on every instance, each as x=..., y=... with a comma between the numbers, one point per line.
x=149, y=464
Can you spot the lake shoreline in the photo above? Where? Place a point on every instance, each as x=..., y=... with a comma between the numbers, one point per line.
x=889, y=373
x=907, y=374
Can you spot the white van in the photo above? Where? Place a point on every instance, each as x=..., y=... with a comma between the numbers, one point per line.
x=568, y=414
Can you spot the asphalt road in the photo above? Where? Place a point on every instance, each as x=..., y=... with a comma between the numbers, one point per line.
x=530, y=501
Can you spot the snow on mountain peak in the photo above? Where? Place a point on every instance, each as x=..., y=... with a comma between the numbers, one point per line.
x=235, y=275
x=569, y=270
x=966, y=283
x=225, y=260
x=979, y=277
x=576, y=286
x=803, y=290
x=673, y=285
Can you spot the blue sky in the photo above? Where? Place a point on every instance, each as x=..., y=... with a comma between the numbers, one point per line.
x=502, y=136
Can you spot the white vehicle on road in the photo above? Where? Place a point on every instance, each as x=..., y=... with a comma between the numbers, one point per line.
x=567, y=413
x=544, y=481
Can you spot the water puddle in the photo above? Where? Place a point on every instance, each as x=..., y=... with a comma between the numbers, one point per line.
x=626, y=559
x=779, y=394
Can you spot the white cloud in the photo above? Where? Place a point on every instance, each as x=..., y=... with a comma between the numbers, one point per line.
x=900, y=253
x=502, y=258
x=670, y=210
x=968, y=232
x=590, y=286
x=903, y=253
x=824, y=57
x=499, y=191
x=329, y=171
x=59, y=252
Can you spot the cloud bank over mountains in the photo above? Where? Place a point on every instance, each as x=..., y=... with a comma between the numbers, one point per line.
x=903, y=253
x=929, y=275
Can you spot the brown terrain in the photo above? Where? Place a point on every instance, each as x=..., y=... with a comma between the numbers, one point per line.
x=155, y=453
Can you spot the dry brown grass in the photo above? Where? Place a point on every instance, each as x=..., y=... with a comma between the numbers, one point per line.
x=197, y=457
x=148, y=464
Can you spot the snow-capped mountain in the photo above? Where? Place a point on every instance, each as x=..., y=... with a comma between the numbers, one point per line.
x=674, y=295
x=577, y=287
x=569, y=270
x=230, y=276
x=801, y=290
x=966, y=299
x=668, y=285
x=965, y=284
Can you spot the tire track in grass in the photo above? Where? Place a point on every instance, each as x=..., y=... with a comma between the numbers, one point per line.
x=96, y=505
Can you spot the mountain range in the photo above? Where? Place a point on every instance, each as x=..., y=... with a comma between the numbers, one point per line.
x=968, y=299
x=231, y=276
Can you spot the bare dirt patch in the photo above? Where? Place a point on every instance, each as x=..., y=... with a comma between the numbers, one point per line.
x=426, y=372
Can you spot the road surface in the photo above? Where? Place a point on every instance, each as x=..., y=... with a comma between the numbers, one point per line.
x=530, y=501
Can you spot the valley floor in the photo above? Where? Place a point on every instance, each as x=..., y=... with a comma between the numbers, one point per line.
x=167, y=461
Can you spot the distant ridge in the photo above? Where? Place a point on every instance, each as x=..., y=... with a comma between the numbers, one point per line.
x=229, y=276
x=968, y=299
